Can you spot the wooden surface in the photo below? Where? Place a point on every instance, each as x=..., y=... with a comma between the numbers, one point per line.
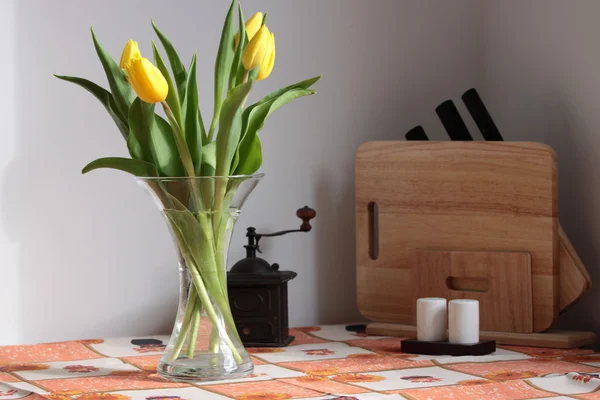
x=553, y=338
x=500, y=281
x=476, y=196
x=574, y=278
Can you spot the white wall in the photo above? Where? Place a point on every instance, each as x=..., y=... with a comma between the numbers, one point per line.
x=88, y=256
x=9, y=281
x=542, y=81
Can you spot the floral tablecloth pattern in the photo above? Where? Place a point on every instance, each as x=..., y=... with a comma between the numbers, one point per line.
x=323, y=363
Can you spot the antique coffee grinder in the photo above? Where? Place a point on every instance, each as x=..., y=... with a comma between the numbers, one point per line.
x=258, y=291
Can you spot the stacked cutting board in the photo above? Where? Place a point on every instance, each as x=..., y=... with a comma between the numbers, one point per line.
x=474, y=220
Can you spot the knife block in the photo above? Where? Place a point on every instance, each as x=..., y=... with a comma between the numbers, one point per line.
x=461, y=199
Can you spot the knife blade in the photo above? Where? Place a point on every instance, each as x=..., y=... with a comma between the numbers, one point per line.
x=416, y=133
x=452, y=121
x=481, y=116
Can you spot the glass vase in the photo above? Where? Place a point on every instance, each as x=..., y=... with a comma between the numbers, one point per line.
x=201, y=213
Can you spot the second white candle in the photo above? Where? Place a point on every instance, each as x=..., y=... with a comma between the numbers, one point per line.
x=463, y=321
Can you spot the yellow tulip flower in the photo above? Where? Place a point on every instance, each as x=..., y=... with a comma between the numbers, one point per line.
x=130, y=52
x=147, y=80
x=253, y=24
x=256, y=50
x=268, y=62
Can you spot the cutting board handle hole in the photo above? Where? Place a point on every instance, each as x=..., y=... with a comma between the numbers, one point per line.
x=373, y=230
x=464, y=284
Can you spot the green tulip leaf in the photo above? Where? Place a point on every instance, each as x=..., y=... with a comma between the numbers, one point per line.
x=141, y=119
x=248, y=156
x=249, y=148
x=230, y=127
x=172, y=98
x=191, y=125
x=191, y=233
x=105, y=97
x=151, y=139
x=187, y=230
x=176, y=65
x=134, y=167
x=165, y=149
x=225, y=57
x=237, y=68
x=253, y=74
x=193, y=239
x=300, y=85
x=119, y=86
x=209, y=155
x=251, y=159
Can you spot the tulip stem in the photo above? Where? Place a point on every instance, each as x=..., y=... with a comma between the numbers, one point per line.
x=213, y=124
x=184, y=153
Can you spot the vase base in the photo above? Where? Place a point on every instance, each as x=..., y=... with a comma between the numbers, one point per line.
x=188, y=370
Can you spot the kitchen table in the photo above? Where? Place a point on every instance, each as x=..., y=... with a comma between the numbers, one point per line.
x=323, y=362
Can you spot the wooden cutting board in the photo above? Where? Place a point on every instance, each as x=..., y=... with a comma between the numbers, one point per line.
x=454, y=196
x=500, y=281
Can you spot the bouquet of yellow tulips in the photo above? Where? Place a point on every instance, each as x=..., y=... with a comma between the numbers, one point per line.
x=182, y=146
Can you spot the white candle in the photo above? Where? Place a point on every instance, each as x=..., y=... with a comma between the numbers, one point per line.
x=463, y=321
x=431, y=319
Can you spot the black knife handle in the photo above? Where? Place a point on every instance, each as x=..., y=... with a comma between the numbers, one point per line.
x=481, y=116
x=416, y=133
x=452, y=121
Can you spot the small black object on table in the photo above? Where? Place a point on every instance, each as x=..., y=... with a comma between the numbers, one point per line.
x=415, y=346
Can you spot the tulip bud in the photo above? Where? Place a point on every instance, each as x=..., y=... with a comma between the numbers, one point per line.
x=268, y=62
x=147, y=80
x=130, y=52
x=252, y=26
x=255, y=51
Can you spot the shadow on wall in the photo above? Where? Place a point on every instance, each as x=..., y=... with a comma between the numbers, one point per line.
x=566, y=133
x=336, y=283
x=335, y=239
x=544, y=112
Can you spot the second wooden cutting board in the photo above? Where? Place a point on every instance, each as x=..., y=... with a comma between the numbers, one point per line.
x=500, y=281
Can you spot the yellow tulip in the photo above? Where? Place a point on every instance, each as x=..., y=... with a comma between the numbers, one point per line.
x=254, y=53
x=147, y=80
x=252, y=26
x=130, y=52
x=266, y=66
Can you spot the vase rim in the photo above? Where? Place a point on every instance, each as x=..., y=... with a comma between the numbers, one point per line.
x=183, y=178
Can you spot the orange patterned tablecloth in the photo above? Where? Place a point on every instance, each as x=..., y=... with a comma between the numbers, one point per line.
x=323, y=363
